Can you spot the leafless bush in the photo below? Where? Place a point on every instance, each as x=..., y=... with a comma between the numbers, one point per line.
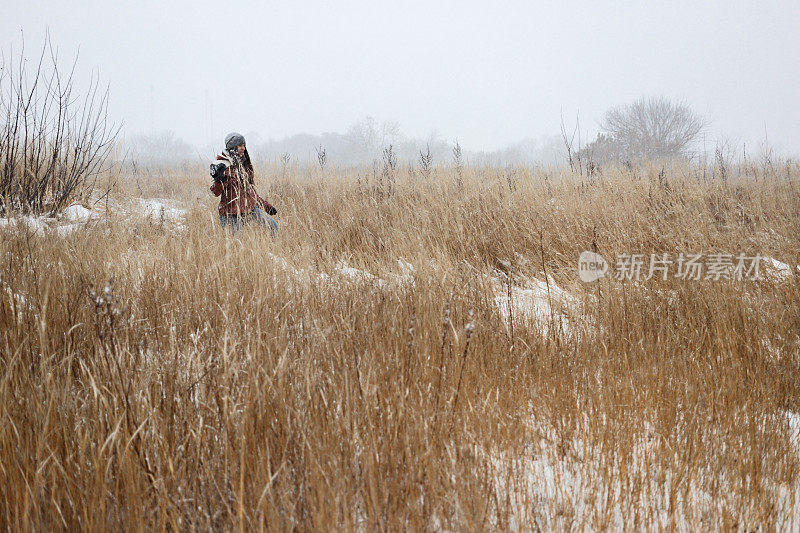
x=511, y=179
x=389, y=166
x=389, y=159
x=569, y=142
x=458, y=163
x=721, y=164
x=54, y=139
x=286, y=159
x=322, y=157
x=426, y=161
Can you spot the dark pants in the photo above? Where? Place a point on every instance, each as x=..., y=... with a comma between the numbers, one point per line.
x=257, y=215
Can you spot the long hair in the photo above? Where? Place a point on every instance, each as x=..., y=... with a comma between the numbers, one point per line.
x=247, y=164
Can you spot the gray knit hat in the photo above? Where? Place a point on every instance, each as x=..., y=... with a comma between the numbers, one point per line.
x=232, y=140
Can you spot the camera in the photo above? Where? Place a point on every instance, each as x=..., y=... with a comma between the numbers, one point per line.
x=217, y=171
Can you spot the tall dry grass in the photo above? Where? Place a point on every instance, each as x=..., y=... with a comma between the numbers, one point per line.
x=223, y=382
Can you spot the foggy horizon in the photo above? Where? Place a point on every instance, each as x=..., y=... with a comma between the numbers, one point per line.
x=487, y=76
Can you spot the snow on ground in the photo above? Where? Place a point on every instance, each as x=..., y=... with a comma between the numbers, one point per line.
x=76, y=217
x=36, y=225
x=356, y=274
x=542, y=301
x=406, y=271
x=404, y=277
x=78, y=213
x=71, y=219
x=344, y=272
x=793, y=421
x=777, y=270
x=553, y=481
x=18, y=302
x=16, y=299
x=68, y=229
x=556, y=480
x=160, y=208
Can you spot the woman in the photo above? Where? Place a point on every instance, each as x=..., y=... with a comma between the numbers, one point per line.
x=233, y=180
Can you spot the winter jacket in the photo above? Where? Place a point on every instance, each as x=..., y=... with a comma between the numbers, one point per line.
x=238, y=192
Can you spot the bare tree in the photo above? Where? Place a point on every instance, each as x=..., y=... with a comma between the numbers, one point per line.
x=54, y=142
x=653, y=128
x=569, y=141
x=368, y=136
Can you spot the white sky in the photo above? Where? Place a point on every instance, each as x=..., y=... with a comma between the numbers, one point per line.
x=486, y=73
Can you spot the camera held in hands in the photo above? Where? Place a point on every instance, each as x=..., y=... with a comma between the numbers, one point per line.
x=217, y=171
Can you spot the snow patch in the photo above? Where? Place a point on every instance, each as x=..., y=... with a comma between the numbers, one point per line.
x=36, y=225
x=793, y=420
x=64, y=230
x=78, y=213
x=539, y=300
x=354, y=273
x=547, y=478
x=46, y=226
x=407, y=271
x=343, y=271
x=404, y=277
x=555, y=478
x=160, y=208
x=777, y=270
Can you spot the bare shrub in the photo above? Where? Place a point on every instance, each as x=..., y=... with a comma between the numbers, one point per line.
x=426, y=161
x=54, y=139
x=322, y=157
x=458, y=164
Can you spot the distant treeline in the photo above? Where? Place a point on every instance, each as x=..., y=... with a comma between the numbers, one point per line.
x=362, y=143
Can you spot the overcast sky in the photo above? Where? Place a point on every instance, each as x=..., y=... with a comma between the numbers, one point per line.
x=486, y=73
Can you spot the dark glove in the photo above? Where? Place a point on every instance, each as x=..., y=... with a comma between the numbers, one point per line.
x=218, y=172
x=272, y=211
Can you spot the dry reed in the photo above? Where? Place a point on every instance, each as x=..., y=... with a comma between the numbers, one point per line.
x=224, y=382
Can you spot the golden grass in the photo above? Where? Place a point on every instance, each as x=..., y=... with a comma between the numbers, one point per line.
x=223, y=382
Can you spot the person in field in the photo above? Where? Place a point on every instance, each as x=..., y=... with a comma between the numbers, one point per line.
x=239, y=202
